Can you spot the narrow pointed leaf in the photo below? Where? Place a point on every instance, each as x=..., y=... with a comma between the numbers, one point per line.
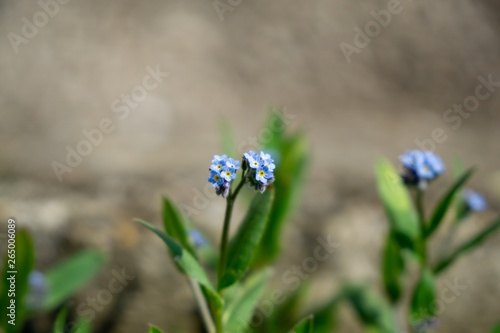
x=154, y=329
x=82, y=326
x=287, y=309
x=446, y=201
x=60, y=323
x=276, y=124
x=373, y=312
x=244, y=244
x=290, y=175
x=326, y=316
x=469, y=245
x=70, y=276
x=215, y=302
x=422, y=303
x=496, y=329
x=304, y=326
x=175, y=225
x=186, y=263
x=392, y=269
x=397, y=203
x=237, y=316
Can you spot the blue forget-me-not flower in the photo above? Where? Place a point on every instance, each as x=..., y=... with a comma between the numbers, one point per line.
x=222, y=173
x=261, y=167
x=421, y=166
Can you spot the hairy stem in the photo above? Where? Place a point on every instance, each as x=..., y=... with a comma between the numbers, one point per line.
x=225, y=230
x=419, y=203
x=202, y=304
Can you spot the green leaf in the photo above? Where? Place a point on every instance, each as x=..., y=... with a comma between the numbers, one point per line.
x=215, y=302
x=392, y=269
x=154, y=329
x=325, y=317
x=82, y=326
x=422, y=303
x=287, y=309
x=446, y=201
x=24, y=263
x=304, y=326
x=60, y=323
x=469, y=245
x=242, y=247
x=277, y=127
x=495, y=329
x=290, y=177
x=373, y=312
x=237, y=316
x=174, y=224
x=186, y=263
x=397, y=203
x=68, y=277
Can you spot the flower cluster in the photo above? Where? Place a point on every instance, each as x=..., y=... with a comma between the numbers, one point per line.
x=474, y=201
x=222, y=173
x=420, y=166
x=260, y=169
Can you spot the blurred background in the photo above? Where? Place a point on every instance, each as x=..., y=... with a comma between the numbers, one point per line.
x=150, y=83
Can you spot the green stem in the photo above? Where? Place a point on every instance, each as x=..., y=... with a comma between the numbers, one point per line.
x=202, y=304
x=225, y=237
x=240, y=185
x=419, y=202
x=420, y=207
x=225, y=230
x=395, y=317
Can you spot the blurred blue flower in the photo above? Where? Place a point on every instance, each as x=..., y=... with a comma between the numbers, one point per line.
x=425, y=324
x=197, y=238
x=37, y=290
x=421, y=166
x=474, y=201
x=222, y=173
x=261, y=167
